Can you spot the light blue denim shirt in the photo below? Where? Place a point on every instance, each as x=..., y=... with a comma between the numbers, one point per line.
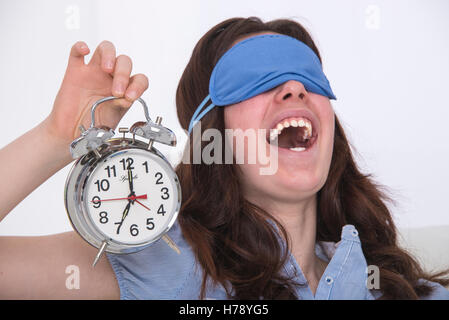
x=158, y=272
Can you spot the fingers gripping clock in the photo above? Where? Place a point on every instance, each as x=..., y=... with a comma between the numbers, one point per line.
x=121, y=194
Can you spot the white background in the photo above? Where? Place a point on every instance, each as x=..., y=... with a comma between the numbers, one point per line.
x=387, y=62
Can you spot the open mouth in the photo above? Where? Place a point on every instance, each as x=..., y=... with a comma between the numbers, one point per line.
x=293, y=133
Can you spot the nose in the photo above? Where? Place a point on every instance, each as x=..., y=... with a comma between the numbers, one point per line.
x=291, y=89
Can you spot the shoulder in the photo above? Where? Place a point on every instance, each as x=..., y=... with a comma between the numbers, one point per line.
x=438, y=293
x=158, y=272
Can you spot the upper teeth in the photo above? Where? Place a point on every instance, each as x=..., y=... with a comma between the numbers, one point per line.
x=293, y=122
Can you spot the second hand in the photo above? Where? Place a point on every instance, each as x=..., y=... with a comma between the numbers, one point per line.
x=144, y=196
x=132, y=198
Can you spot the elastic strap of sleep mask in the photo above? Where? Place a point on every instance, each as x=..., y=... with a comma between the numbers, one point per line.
x=197, y=115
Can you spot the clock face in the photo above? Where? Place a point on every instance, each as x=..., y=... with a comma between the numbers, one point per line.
x=132, y=196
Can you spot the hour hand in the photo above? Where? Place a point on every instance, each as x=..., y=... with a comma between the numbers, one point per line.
x=125, y=213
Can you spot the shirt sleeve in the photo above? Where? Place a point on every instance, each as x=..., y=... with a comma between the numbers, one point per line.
x=157, y=272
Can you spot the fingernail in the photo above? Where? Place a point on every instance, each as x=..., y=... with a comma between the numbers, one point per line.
x=108, y=65
x=132, y=95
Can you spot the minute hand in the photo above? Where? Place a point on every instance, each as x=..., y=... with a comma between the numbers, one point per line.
x=130, y=180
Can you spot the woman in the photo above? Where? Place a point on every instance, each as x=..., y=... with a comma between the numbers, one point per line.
x=309, y=230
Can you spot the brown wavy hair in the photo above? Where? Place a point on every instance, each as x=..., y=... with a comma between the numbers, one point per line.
x=231, y=238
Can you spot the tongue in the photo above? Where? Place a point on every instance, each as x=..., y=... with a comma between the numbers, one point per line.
x=292, y=137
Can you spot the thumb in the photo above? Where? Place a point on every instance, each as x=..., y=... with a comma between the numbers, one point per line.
x=77, y=53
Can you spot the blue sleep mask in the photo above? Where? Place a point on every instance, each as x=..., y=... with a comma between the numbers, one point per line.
x=258, y=64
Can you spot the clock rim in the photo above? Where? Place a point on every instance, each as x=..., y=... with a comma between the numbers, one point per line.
x=75, y=184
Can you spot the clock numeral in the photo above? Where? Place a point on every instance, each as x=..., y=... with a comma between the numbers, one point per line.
x=165, y=194
x=150, y=224
x=104, y=217
x=119, y=224
x=145, y=164
x=133, y=230
x=158, y=181
x=96, y=201
x=161, y=210
x=127, y=163
x=102, y=185
x=109, y=169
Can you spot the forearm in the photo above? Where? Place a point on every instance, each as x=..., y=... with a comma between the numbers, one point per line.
x=26, y=163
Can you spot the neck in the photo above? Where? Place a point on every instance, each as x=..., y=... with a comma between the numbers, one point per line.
x=299, y=220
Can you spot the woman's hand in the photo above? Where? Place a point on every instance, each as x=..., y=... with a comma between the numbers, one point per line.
x=36, y=155
x=83, y=84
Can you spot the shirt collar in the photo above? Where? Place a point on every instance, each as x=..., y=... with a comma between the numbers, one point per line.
x=345, y=276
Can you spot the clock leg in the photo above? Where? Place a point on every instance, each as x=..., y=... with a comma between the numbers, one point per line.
x=100, y=252
x=171, y=244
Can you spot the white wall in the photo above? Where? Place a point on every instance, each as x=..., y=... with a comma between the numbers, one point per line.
x=387, y=62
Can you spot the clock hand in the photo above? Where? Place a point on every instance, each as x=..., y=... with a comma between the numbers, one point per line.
x=143, y=205
x=130, y=180
x=131, y=189
x=125, y=213
x=144, y=196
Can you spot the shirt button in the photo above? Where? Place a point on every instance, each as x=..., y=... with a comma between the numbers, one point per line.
x=329, y=280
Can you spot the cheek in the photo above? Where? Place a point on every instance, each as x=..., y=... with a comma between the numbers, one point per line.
x=246, y=118
x=326, y=115
x=328, y=135
x=329, y=122
x=232, y=120
x=243, y=115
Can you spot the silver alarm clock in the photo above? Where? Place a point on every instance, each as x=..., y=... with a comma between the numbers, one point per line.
x=121, y=194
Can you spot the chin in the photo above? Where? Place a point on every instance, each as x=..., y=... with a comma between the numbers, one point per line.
x=305, y=182
x=286, y=185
